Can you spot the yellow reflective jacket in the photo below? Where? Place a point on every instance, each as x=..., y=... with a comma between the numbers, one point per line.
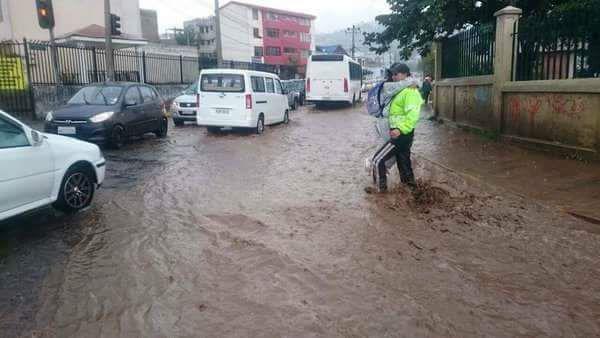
x=405, y=110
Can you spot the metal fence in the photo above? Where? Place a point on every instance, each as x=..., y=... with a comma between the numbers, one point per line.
x=550, y=49
x=470, y=52
x=25, y=65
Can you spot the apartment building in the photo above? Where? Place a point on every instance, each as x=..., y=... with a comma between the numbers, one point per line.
x=262, y=34
x=205, y=31
x=73, y=18
x=149, y=22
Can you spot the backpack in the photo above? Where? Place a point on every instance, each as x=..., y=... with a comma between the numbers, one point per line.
x=374, y=106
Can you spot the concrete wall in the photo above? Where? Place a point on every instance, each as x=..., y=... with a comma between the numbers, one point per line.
x=237, y=31
x=560, y=112
x=5, y=25
x=466, y=101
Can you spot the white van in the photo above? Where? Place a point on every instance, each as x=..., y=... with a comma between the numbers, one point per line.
x=333, y=78
x=240, y=98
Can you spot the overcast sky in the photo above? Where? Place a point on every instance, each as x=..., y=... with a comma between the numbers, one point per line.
x=332, y=14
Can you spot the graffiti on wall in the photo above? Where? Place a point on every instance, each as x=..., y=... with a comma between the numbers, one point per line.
x=569, y=106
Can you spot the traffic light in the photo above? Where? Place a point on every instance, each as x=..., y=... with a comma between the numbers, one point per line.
x=45, y=13
x=115, y=24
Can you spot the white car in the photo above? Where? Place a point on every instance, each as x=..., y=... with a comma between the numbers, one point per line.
x=38, y=169
x=240, y=98
x=184, y=107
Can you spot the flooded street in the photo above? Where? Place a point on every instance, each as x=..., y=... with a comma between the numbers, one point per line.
x=238, y=235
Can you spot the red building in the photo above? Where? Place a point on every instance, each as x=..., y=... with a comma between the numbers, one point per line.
x=269, y=35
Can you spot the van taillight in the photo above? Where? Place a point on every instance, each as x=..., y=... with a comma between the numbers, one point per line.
x=248, y=101
x=345, y=85
x=308, y=85
x=198, y=100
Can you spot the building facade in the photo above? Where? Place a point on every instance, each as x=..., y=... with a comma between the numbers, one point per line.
x=253, y=33
x=204, y=29
x=149, y=22
x=70, y=16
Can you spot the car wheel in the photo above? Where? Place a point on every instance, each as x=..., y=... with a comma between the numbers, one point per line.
x=178, y=123
x=286, y=117
x=76, y=191
x=117, y=137
x=260, y=125
x=163, y=129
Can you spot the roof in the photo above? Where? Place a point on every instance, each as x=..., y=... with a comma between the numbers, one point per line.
x=280, y=11
x=235, y=71
x=95, y=33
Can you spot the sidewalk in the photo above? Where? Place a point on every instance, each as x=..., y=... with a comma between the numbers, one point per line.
x=570, y=185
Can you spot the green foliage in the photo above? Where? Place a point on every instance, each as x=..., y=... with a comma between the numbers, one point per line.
x=413, y=24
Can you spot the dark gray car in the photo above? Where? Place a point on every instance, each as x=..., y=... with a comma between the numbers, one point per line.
x=109, y=113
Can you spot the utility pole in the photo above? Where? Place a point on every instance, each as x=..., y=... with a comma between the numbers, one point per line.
x=110, y=61
x=218, y=32
x=353, y=31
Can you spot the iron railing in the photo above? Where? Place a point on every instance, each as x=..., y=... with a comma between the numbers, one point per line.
x=470, y=52
x=550, y=49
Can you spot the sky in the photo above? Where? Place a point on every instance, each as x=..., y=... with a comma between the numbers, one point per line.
x=331, y=15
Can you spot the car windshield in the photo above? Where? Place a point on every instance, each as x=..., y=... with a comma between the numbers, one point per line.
x=191, y=90
x=97, y=95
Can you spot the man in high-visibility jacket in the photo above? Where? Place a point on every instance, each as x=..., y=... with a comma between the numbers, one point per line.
x=404, y=113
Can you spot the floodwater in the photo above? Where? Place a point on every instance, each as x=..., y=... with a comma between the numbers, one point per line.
x=236, y=235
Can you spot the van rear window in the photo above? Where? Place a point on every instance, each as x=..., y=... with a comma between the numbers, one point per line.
x=327, y=58
x=231, y=83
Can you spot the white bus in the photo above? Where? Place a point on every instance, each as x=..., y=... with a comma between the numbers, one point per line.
x=333, y=78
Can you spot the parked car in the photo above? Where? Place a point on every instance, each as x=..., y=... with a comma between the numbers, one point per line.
x=38, y=169
x=296, y=92
x=109, y=113
x=240, y=98
x=184, y=108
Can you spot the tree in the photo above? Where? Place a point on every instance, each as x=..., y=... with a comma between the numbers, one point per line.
x=413, y=24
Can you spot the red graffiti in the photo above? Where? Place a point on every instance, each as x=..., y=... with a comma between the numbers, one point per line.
x=515, y=109
x=533, y=106
x=571, y=107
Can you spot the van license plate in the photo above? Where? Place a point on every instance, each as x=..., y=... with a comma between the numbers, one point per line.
x=67, y=130
x=222, y=111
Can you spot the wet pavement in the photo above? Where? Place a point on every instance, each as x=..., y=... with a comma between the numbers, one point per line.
x=238, y=235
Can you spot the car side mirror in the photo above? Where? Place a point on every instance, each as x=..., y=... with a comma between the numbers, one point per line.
x=37, y=138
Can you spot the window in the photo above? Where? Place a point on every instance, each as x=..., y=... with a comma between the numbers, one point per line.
x=258, y=84
x=133, y=96
x=355, y=71
x=289, y=34
x=270, y=85
x=97, y=95
x=278, y=88
x=273, y=33
x=257, y=33
x=305, y=53
x=305, y=37
x=304, y=22
x=255, y=13
x=258, y=51
x=272, y=16
x=273, y=51
x=232, y=83
x=290, y=50
x=11, y=135
x=147, y=94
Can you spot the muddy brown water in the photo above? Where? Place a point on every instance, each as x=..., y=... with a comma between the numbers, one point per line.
x=236, y=235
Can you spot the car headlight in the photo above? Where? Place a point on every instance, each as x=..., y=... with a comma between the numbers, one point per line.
x=49, y=117
x=102, y=117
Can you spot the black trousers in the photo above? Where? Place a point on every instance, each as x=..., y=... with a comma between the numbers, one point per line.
x=399, y=148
